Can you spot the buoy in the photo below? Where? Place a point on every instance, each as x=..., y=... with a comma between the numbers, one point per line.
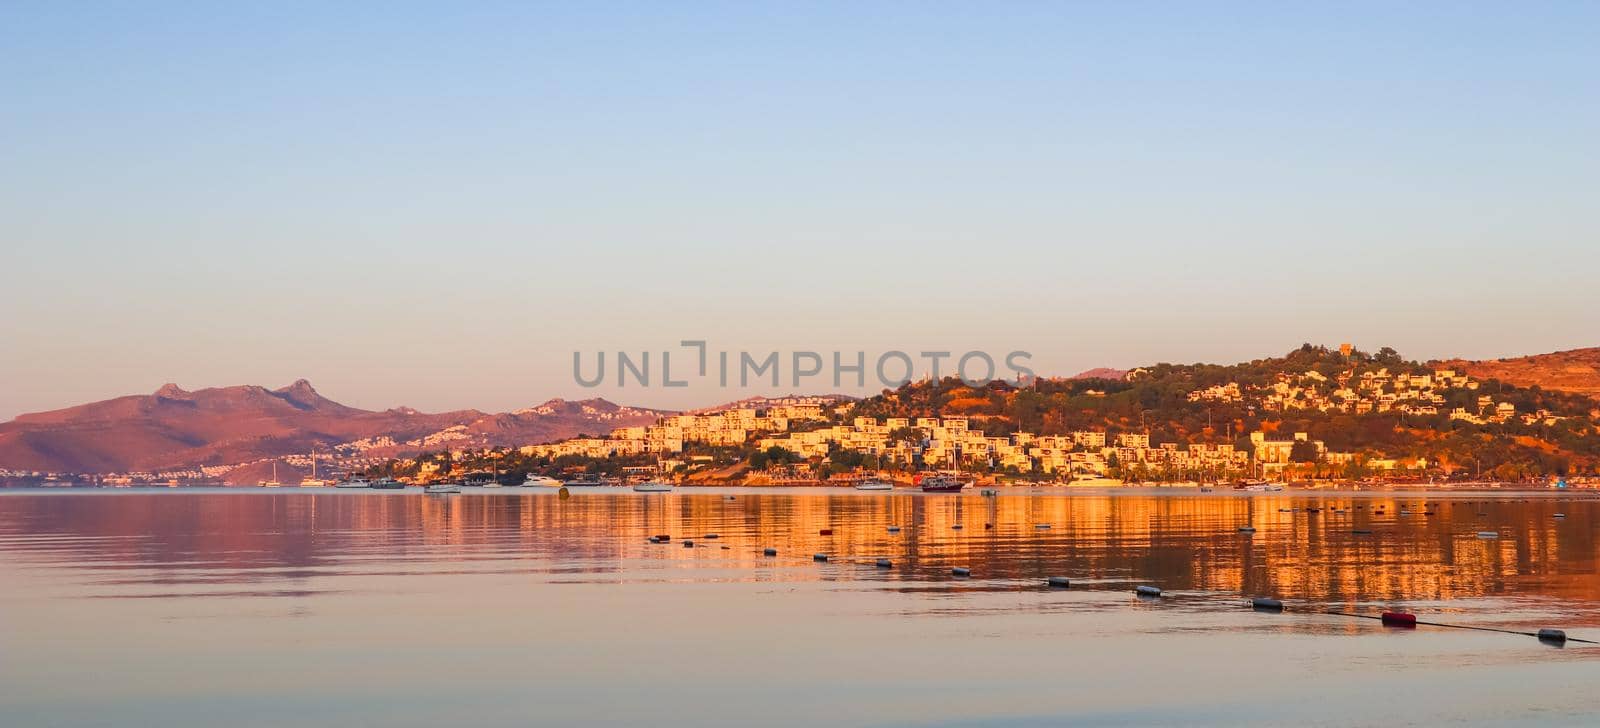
x=1555, y=636
x=825, y=532
x=1399, y=619
x=769, y=552
x=1286, y=510
x=885, y=564
x=819, y=557
x=956, y=527
x=727, y=497
x=1147, y=591
x=1488, y=534
x=1265, y=604
x=1361, y=531
x=961, y=571
x=1059, y=581
x=688, y=544
x=1427, y=513
x=709, y=536
x=894, y=529
x=1559, y=515
x=663, y=537
x=988, y=526
x=989, y=492
x=1041, y=525
x=1247, y=529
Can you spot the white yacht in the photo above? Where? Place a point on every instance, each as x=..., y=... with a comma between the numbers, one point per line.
x=443, y=488
x=874, y=484
x=653, y=486
x=314, y=481
x=354, y=483
x=541, y=481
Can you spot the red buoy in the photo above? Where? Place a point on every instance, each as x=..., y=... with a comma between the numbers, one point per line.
x=1400, y=619
x=825, y=532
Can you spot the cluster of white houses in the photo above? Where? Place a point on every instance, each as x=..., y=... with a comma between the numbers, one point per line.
x=935, y=442
x=1375, y=391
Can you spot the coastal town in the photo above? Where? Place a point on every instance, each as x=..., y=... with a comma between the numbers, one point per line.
x=1280, y=422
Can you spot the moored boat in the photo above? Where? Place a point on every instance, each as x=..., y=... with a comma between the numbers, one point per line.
x=442, y=488
x=354, y=483
x=653, y=486
x=388, y=484
x=544, y=481
x=874, y=484
x=943, y=484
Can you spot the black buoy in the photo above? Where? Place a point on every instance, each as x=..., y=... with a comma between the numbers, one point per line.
x=961, y=571
x=1266, y=604
x=769, y=552
x=709, y=536
x=819, y=557
x=1553, y=636
x=1061, y=582
x=885, y=564
x=1147, y=591
x=688, y=544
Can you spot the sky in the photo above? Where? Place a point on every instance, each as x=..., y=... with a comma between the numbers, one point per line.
x=435, y=205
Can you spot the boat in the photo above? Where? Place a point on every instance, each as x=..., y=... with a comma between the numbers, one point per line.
x=314, y=481
x=442, y=488
x=544, y=481
x=943, y=484
x=652, y=486
x=587, y=480
x=354, y=483
x=274, y=483
x=874, y=484
x=388, y=484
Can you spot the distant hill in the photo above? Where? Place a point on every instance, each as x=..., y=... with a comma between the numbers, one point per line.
x=1576, y=371
x=1102, y=373
x=174, y=428
x=766, y=402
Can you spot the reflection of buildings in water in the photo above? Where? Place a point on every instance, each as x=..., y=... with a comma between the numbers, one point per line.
x=1177, y=541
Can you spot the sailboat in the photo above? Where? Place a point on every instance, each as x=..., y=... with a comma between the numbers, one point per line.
x=274, y=482
x=313, y=481
x=874, y=484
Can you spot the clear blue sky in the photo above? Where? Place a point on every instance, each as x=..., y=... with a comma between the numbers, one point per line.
x=432, y=205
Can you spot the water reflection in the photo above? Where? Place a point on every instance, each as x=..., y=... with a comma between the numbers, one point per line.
x=1305, y=547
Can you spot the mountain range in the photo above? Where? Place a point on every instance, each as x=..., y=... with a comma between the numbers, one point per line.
x=174, y=428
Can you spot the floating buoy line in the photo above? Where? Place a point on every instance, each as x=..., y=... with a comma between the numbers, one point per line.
x=1396, y=619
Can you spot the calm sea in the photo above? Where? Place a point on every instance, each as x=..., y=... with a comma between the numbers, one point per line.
x=512, y=607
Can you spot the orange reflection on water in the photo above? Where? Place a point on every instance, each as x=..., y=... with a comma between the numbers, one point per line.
x=1418, y=548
